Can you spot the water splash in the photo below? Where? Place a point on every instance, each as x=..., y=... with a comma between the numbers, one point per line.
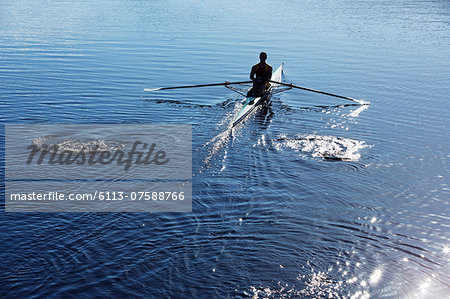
x=75, y=145
x=362, y=102
x=337, y=117
x=326, y=147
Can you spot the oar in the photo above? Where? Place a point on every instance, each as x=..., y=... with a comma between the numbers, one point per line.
x=199, y=85
x=322, y=92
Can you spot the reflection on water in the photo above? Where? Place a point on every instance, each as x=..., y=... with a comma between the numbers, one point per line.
x=356, y=112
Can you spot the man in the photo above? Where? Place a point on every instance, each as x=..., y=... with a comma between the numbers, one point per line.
x=260, y=75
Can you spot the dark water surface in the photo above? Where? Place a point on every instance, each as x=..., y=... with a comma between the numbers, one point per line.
x=310, y=197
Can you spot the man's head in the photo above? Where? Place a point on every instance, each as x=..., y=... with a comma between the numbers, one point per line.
x=263, y=56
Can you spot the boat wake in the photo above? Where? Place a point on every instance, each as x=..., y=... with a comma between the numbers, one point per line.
x=325, y=147
x=220, y=141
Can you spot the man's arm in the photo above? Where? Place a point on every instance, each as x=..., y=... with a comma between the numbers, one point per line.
x=253, y=73
x=269, y=75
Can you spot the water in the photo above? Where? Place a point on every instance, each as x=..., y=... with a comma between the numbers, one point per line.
x=312, y=197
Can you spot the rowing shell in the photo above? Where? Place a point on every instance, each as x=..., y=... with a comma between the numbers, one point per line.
x=250, y=103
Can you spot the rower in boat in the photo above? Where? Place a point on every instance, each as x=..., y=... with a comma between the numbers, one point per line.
x=265, y=83
x=260, y=75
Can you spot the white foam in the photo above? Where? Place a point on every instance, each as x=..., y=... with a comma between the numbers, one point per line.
x=327, y=147
x=76, y=144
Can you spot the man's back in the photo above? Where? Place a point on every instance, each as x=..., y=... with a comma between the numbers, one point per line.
x=261, y=72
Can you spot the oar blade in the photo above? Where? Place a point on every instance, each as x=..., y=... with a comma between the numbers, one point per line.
x=152, y=89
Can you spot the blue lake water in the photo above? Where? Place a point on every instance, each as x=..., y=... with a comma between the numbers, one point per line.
x=273, y=216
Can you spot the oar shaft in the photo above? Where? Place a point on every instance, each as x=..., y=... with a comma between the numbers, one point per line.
x=317, y=91
x=198, y=85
